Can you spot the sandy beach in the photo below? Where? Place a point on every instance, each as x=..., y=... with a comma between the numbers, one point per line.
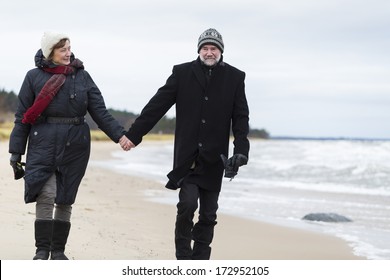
x=112, y=220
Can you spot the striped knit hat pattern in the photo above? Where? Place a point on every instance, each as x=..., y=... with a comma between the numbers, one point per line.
x=211, y=36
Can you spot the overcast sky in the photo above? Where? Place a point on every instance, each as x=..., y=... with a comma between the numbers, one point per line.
x=316, y=68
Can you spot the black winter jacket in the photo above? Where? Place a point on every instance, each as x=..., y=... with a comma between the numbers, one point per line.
x=205, y=114
x=60, y=148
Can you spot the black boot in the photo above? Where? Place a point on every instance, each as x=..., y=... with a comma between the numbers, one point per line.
x=59, y=239
x=202, y=234
x=201, y=251
x=43, y=233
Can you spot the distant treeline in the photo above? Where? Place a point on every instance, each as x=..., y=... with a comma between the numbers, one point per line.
x=9, y=104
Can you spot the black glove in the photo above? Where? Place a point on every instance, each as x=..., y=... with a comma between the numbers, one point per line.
x=17, y=165
x=232, y=164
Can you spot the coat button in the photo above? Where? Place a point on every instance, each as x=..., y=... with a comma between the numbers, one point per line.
x=68, y=144
x=206, y=98
x=203, y=121
x=200, y=145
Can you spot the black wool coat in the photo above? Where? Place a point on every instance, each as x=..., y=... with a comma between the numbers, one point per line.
x=59, y=148
x=206, y=111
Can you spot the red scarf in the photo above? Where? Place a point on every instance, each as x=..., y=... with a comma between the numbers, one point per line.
x=50, y=89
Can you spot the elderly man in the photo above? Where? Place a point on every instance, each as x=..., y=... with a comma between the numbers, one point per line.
x=210, y=100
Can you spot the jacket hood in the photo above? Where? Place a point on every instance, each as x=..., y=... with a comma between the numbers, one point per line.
x=41, y=62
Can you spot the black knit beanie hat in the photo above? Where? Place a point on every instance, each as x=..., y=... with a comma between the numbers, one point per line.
x=211, y=36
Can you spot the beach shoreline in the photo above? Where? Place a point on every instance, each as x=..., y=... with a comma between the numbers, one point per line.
x=113, y=220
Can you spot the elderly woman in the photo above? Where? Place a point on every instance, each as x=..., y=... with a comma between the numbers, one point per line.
x=53, y=100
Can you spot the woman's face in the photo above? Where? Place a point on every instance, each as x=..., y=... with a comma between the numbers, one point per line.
x=61, y=56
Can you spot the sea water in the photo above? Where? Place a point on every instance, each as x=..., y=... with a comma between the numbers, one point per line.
x=287, y=179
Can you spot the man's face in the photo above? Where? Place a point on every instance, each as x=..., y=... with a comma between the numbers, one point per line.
x=209, y=55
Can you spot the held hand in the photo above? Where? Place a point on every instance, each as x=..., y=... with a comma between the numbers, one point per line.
x=17, y=166
x=125, y=143
x=232, y=164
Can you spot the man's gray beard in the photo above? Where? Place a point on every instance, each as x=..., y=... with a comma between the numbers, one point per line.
x=210, y=62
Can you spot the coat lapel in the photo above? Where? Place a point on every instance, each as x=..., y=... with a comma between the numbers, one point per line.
x=200, y=75
x=198, y=72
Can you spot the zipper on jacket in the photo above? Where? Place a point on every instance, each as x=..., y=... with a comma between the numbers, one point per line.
x=73, y=96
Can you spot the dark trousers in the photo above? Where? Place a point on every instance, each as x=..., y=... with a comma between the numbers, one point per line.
x=203, y=231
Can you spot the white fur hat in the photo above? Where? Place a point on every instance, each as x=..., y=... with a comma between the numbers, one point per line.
x=49, y=39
